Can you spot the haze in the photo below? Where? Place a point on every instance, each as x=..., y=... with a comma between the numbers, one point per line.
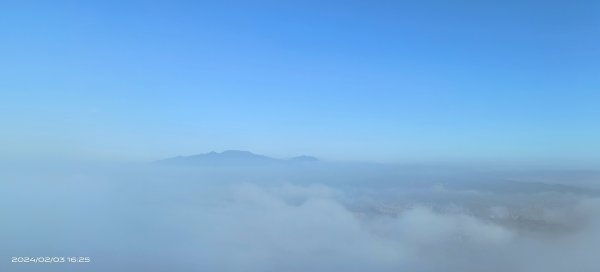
x=423, y=136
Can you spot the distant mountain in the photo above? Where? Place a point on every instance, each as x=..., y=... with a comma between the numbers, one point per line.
x=232, y=157
x=304, y=158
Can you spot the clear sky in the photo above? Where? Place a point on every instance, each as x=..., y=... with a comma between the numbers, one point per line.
x=342, y=80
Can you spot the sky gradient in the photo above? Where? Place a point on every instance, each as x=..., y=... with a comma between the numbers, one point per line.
x=388, y=81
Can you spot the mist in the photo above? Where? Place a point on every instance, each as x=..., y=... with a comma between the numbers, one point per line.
x=301, y=217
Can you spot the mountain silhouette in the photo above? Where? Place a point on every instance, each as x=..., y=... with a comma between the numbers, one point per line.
x=232, y=157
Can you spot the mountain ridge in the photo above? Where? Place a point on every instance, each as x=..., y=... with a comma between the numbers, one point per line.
x=232, y=157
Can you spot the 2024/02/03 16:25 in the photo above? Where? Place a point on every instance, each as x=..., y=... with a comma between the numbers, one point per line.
x=47, y=259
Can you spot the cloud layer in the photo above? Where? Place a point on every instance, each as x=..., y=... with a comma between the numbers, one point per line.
x=155, y=220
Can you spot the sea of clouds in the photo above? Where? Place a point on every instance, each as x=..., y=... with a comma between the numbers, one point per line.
x=296, y=218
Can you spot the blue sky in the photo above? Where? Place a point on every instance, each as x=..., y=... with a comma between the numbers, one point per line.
x=390, y=81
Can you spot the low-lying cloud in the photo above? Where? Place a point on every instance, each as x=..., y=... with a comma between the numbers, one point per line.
x=235, y=220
